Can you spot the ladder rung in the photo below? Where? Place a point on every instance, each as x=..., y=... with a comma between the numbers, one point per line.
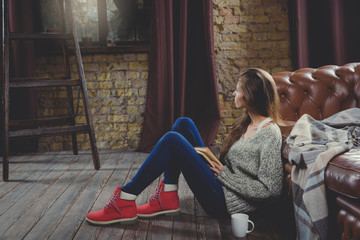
x=39, y=122
x=37, y=78
x=49, y=131
x=52, y=36
x=44, y=83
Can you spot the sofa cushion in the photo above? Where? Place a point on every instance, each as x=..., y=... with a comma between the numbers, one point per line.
x=342, y=174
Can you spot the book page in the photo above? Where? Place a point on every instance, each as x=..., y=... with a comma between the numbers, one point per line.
x=208, y=155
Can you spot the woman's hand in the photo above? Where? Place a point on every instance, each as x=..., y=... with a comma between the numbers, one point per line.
x=216, y=169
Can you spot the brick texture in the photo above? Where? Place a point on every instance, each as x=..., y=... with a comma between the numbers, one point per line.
x=117, y=90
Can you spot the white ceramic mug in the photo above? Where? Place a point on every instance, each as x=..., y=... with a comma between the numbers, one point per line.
x=240, y=224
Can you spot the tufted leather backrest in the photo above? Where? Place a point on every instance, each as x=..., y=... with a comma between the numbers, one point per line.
x=319, y=92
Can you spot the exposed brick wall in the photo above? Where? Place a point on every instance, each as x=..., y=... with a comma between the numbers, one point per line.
x=117, y=90
x=248, y=33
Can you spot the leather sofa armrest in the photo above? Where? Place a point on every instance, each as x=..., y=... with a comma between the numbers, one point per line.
x=348, y=218
x=348, y=205
x=342, y=175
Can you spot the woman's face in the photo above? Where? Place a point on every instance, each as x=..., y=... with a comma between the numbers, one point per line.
x=239, y=96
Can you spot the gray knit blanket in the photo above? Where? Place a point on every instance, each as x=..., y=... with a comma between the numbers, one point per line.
x=312, y=145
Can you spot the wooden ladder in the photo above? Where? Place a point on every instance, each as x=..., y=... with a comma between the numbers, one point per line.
x=45, y=126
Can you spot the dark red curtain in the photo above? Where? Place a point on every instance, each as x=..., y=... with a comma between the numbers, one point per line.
x=182, y=78
x=324, y=32
x=24, y=17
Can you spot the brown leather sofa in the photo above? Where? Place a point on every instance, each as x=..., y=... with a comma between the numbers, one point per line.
x=321, y=93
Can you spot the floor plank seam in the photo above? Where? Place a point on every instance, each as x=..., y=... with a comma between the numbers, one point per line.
x=72, y=203
x=31, y=203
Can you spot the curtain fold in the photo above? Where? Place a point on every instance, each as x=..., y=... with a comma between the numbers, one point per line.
x=182, y=79
x=324, y=32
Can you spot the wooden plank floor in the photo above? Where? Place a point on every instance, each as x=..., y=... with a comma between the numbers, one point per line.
x=49, y=195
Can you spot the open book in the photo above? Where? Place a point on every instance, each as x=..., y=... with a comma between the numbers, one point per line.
x=208, y=155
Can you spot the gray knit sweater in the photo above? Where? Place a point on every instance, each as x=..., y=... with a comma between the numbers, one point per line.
x=253, y=172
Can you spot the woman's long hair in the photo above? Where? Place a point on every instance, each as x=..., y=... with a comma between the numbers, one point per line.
x=261, y=96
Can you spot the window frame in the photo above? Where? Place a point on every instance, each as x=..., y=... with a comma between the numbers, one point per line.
x=101, y=47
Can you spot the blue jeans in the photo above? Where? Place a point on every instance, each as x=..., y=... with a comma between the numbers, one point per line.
x=175, y=153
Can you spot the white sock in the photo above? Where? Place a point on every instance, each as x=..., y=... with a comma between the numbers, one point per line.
x=170, y=187
x=127, y=196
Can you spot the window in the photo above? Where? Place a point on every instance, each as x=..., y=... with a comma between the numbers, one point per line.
x=100, y=23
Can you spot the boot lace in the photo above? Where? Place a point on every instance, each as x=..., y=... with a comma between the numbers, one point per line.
x=157, y=193
x=113, y=199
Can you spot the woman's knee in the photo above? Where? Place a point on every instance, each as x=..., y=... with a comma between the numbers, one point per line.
x=175, y=141
x=184, y=122
x=172, y=136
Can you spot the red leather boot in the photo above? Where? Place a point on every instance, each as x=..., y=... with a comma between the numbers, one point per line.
x=121, y=208
x=164, y=201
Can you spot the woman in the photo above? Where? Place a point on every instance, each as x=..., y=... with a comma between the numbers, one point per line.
x=252, y=171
